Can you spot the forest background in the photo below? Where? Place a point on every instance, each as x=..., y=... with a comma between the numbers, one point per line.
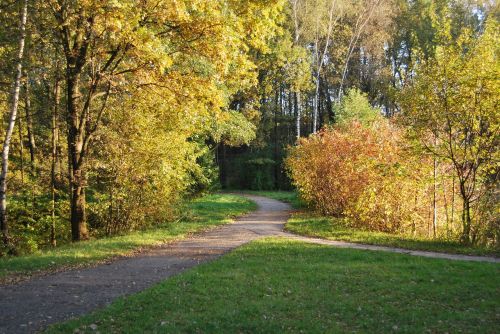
x=115, y=112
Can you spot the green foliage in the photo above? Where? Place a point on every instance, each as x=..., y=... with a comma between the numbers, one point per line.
x=255, y=169
x=451, y=112
x=277, y=285
x=155, y=81
x=286, y=64
x=440, y=164
x=356, y=107
x=233, y=129
x=31, y=228
x=261, y=168
x=198, y=88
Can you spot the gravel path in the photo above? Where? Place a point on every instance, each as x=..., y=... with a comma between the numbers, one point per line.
x=30, y=306
x=434, y=255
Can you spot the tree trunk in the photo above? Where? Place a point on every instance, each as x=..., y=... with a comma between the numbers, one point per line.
x=223, y=166
x=466, y=219
x=75, y=146
x=53, y=169
x=316, y=106
x=434, y=199
x=445, y=202
x=78, y=214
x=329, y=103
x=279, y=107
x=21, y=151
x=10, y=128
x=289, y=113
x=29, y=125
x=452, y=200
x=297, y=112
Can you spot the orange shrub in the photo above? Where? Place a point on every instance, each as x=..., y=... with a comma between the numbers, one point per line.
x=359, y=172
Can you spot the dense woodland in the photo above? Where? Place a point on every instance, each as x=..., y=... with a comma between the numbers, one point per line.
x=114, y=112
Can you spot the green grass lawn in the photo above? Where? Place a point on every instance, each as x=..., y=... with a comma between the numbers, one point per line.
x=336, y=229
x=208, y=211
x=283, y=286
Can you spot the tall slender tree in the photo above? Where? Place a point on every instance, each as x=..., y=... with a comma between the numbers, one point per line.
x=11, y=123
x=29, y=121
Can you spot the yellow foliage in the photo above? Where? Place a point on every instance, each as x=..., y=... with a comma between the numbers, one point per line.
x=363, y=173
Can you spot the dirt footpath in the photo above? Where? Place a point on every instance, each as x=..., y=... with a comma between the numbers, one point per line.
x=32, y=305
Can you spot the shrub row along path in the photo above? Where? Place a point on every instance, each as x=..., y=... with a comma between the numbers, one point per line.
x=32, y=305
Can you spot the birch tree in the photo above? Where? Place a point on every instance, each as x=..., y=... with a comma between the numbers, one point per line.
x=323, y=30
x=11, y=123
x=364, y=13
x=296, y=38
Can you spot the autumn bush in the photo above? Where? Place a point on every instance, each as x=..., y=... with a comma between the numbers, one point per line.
x=360, y=172
x=139, y=180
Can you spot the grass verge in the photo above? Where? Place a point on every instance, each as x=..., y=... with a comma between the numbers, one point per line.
x=206, y=212
x=282, y=286
x=312, y=225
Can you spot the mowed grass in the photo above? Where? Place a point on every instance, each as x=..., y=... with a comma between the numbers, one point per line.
x=312, y=225
x=283, y=286
x=308, y=223
x=203, y=213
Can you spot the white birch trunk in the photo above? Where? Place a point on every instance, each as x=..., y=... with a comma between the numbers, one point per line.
x=316, y=105
x=298, y=115
x=10, y=127
x=295, y=4
x=320, y=58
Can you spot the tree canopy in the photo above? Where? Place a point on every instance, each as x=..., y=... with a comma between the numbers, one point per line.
x=114, y=112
